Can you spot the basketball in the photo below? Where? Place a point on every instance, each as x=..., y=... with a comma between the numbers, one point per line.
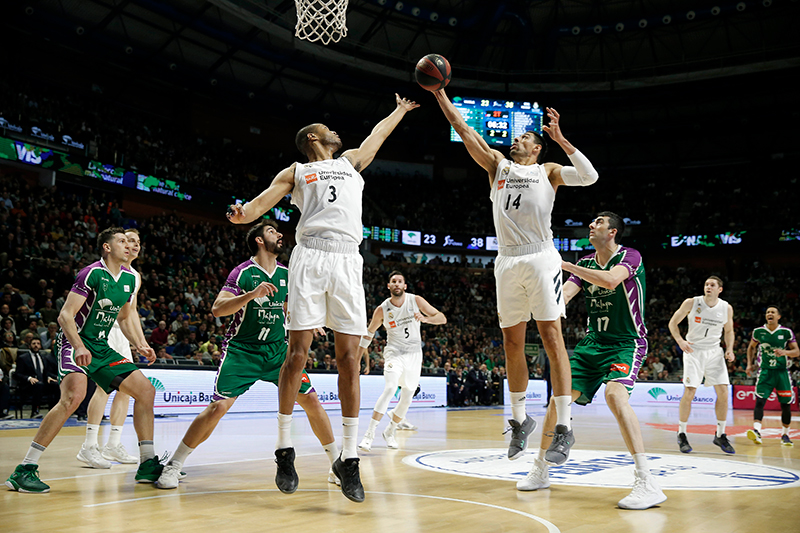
x=433, y=72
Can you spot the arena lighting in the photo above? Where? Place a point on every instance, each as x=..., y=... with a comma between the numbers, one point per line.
x=173, y=66
x=741, y=6
x=576, y=30
x=690, y=15
x=79, y=30
x=643, y=23
x=29, y=10
x=452, y=21
x=213, y=81
x=598, y=29
x=715, y=10
x=434, y=16
x=128, y=50
x=399, y=6
x=766, y=3
x=620, y=26
x=251, y=95
x=667, y=19
x=415, y=11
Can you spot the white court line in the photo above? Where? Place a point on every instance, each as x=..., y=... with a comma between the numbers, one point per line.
x=551, y=528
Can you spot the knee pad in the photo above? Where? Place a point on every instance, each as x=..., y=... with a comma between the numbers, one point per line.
x=786, y=413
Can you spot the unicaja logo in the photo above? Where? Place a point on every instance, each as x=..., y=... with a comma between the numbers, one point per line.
x=655, y=392
x=157, y=384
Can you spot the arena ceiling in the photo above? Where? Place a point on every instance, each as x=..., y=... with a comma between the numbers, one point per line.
x=512, y=46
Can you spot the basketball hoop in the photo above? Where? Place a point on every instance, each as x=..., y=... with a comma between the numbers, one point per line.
x=321, y=20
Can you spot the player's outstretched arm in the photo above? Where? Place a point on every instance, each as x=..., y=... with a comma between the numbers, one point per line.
x=477, y=147
x=227, y=304
x=571, y=289
x=429, y=314
x=677, y=317
x=602, y=278
x=374, y=323
x=281, y=185
x=66, y=319
x=582, y=172
x=362, y=156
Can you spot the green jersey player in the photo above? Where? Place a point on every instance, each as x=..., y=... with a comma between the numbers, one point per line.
x=612, y=280
x=772, y=345
x=254, y=349
x=100, y=297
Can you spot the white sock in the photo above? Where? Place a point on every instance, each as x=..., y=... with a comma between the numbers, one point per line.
x=392, y=425
x=332, y=451
x=181, y=454
x=284, y=432
x=720, y=427
x=542, y=451
x=682, y=426
x=785, y=430
x=518, y=406
x=373, y=425
x=757, y=426
x=563, y=410
x=146, y=450
x=114, y=436
x=350, y=427
x=640, y=460
x=92, y=431
x=33, y=455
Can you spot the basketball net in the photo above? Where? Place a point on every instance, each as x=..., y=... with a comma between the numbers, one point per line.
x=321, y=20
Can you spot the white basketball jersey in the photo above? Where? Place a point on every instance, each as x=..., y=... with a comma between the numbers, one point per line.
x=706, y=323
x=328, y=194
x=116, y=339
x=402, y=329
x=523, y=203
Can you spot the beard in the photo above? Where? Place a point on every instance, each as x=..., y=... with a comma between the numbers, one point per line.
x=396, y=292
x=276, y=248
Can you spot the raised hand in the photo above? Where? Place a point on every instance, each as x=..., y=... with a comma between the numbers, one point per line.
x=553, y=129
x=405, y=103
x=236, y=213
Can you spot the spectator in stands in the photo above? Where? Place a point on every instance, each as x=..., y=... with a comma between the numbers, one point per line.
x=33, y=327
x=48, y=312
x=36, y=375
x=162, y=356
x=457, y=388
x=183, y=349
x=49, y=337
x=159, y=336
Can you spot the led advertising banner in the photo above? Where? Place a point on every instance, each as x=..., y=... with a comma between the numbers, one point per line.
x=37, y=156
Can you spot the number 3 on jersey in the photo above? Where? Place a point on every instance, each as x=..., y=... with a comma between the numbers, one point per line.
x=333, y=194
x=515, y=203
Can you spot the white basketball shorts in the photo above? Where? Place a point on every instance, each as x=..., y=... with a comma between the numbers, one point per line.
x=118, y=342
x=529, y=286
x=705, y=363
x=326, y=288
x=405, y=366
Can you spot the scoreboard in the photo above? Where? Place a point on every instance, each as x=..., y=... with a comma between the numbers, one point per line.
x=499, y=122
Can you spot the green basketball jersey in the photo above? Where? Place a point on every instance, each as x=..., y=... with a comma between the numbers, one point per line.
x=615, y=314
x=768, y=342
x=262, y=319
x=105, y=296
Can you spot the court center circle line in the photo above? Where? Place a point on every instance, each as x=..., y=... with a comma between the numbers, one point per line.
x=551, y=528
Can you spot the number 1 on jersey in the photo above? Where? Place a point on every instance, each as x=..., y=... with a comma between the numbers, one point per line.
x=515, y=203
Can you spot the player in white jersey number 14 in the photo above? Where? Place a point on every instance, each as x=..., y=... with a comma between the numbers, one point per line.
x=401, y=315
x=708, y=316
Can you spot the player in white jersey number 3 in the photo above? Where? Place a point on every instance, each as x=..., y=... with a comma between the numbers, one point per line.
x=528, y=268
x=401, y=315
x=708, y=316
x=325, y=274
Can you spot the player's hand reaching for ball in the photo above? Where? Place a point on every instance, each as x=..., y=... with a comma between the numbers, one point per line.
x=263, y=289
x=554, y=129
x=404, y=103
x=236, y=213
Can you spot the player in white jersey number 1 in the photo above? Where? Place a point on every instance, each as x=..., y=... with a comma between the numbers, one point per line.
x=90, y=452
x=325, y=273
x=401, y=315
x=708, y=316
x=528, y=268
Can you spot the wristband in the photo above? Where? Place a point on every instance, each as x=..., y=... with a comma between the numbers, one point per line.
x=365, y=342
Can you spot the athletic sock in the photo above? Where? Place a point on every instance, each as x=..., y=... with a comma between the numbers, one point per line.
x=373, y=425
x=146, y=450
x=284, y=432
x=563, y=410
x=33, y=455
x=92, y=431
x=640, y=460
x=392, y=424
x=542, y=451
x=181, y=454
x=757, y=426
x=682, y=426
x=114, y=437
x=785, y=430
x=332, y=451
x=350, y=427
x=720, y=428
x=518, y=406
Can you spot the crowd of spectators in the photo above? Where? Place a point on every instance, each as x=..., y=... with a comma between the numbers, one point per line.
x=48, y=235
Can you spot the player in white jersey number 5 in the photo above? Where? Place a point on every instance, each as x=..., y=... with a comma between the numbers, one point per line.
x=401, y=315
x=325, y=272
x=708, y=316
x=528, y=267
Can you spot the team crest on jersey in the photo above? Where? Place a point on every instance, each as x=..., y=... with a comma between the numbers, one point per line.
x=311, y=178
x=127, y=288
x=391, y=315
x=283, y=283
x=698, y=310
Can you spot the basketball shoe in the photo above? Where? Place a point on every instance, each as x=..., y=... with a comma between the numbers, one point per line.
x=286, y=476
x=389, y=435
x=563, y=440
x=332, y=478
x=537, y=478
x=406, y=425
x=347, y=471
x=26, y=479
x=92, y=457
x=169, y=478
x=366, y=442
x=723, y=442
x=645, y=494
x=519, y=436
x=119, y=454
x=786, y=441
x=149, y=471
x=754, y=435
x=683, y=443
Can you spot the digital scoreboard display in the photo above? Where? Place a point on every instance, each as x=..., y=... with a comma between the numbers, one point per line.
x=499, y=122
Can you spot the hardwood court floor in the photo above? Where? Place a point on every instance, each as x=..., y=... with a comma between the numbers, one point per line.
x=231, y=487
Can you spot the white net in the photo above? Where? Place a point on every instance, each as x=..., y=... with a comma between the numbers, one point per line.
x=321, y=20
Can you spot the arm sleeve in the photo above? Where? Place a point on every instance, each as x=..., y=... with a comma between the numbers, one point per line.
x=581, y=174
